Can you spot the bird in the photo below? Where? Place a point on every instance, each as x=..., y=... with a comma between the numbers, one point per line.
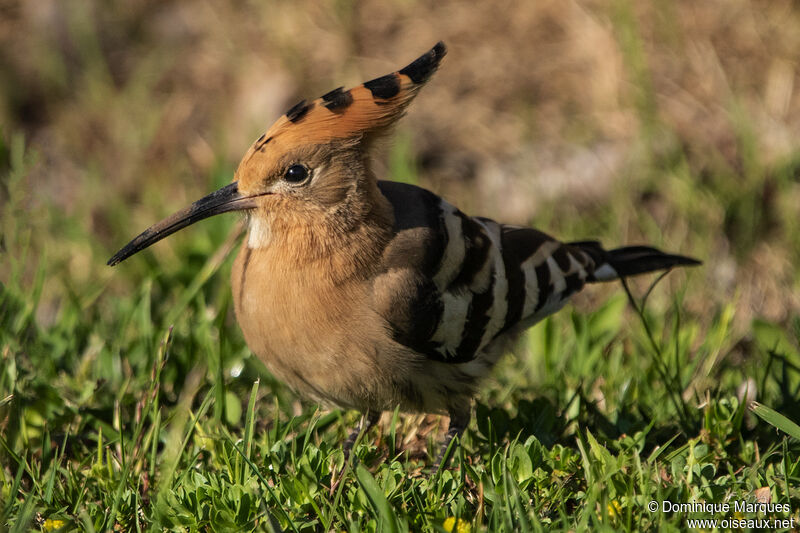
x=375, y=295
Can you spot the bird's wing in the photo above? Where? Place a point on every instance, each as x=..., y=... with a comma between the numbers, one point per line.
x=451, y=283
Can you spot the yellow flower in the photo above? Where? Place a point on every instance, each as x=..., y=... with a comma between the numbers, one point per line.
x=53, y=525
x=614, y=509
x=462, y=527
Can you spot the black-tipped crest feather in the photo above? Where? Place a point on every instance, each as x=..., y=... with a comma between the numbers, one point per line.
x=424, y=66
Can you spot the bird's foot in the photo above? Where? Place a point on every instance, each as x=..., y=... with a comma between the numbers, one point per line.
x=458, y=423
x=368, y=419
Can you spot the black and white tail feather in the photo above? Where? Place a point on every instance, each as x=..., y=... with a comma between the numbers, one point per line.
x=629, y=260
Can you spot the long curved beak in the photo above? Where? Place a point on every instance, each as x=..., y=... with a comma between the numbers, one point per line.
x=223, y=200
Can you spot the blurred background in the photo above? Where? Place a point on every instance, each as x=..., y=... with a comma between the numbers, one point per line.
x=673, y=123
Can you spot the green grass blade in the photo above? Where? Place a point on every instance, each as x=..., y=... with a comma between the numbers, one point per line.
x=386, y=516
x=775, y=419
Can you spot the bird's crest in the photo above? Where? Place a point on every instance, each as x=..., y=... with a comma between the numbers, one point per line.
x=356, y=113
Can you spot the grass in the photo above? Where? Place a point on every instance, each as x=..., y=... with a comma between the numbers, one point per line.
x=129, y=401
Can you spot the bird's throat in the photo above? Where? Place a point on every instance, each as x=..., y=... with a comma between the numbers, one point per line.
x=259, y=234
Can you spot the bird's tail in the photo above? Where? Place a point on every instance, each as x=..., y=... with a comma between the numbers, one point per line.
x=629, y=260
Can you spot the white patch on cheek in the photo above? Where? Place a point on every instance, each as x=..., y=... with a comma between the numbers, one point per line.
x=260, y=235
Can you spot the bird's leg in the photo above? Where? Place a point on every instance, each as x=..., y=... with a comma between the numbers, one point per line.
x=368, y=419
x=459, y=421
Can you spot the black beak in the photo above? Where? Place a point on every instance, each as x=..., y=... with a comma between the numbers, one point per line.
x=221, y=201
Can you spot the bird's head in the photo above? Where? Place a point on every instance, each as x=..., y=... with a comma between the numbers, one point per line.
x=312, y=164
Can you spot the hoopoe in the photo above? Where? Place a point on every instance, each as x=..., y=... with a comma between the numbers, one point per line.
x=368, y=294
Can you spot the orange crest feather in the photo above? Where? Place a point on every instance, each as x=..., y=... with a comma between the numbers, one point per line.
x=358, y=112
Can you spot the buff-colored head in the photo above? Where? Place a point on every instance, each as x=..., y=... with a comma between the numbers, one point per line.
x=313, y=161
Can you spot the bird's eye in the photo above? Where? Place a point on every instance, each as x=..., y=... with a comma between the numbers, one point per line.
x=296, y=174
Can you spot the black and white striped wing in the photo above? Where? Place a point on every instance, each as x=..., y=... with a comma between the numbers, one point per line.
x=452, y=283
x=543, y=273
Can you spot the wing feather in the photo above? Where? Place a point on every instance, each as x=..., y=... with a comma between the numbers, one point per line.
x=480, y=278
